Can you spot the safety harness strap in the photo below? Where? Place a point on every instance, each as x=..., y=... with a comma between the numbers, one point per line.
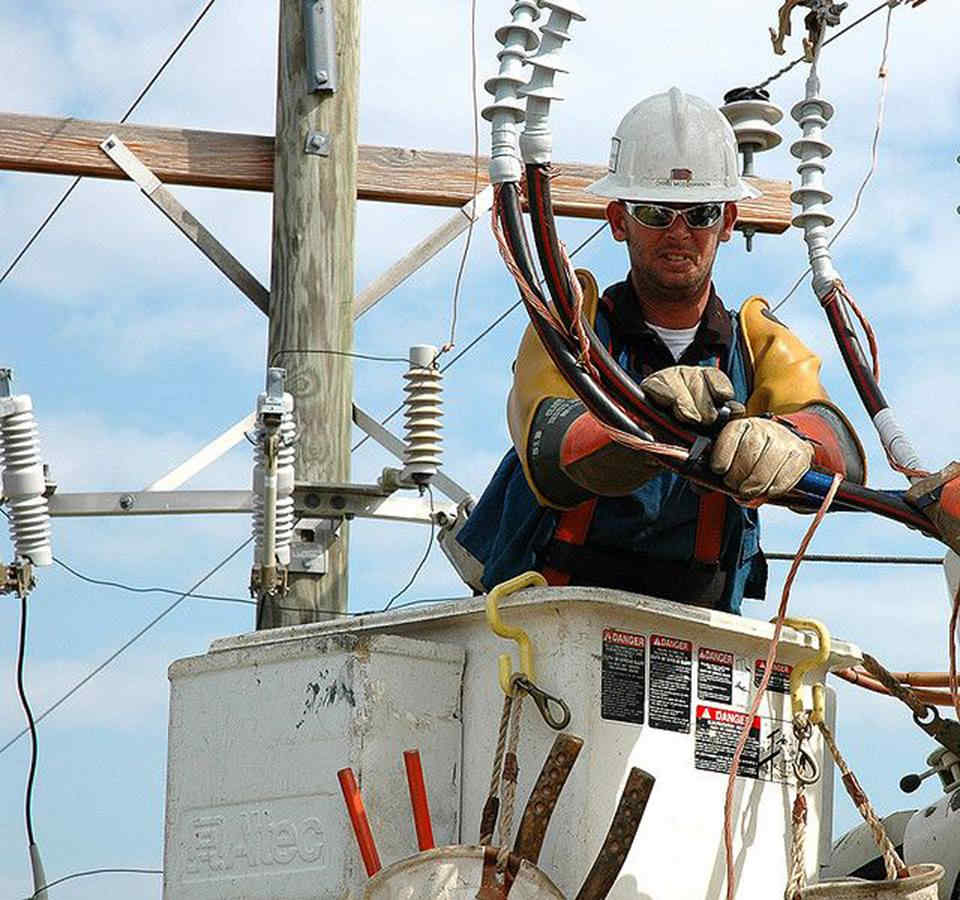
x=711, y=521
x=572, y=529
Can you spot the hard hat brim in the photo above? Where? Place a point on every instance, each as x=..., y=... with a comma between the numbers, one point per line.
x=615, y=187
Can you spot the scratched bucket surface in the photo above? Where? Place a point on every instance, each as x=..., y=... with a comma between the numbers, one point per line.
x=457, y=873
x=920, y=885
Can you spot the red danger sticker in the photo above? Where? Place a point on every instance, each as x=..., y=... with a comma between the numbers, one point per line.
x=624, y=638
x=779, y=678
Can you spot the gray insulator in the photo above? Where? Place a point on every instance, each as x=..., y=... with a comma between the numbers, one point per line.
x=24, y=484
x=519, y=38
x=423, y=410
x=813, y=113
x=536, y=141
x=285, y=478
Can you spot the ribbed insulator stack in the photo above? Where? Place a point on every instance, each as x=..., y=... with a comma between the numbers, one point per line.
x=23, y=481
x=423, y=409
x=753, y=117
x=536, y=142
x=813, y=113
x=519, y=38
x=285, y=457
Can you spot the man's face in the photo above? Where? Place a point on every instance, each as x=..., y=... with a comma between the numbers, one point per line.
x=674, y=263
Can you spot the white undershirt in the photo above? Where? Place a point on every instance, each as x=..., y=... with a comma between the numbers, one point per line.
x=676, y=339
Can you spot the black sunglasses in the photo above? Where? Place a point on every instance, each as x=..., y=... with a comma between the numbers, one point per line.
x=704, y=215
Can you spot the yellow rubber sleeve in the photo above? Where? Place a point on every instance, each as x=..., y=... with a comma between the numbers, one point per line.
x=535, y=378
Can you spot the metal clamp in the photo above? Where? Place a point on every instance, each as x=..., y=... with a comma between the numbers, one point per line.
x=320, y=43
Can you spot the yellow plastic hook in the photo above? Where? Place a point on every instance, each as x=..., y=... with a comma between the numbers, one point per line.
x=505, y=662
x=800, y=669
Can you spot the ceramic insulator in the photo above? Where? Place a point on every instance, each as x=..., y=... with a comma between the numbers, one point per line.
x=285, y=457
x=813, y=113
x=519, y=38
x=24, y=484
x=423, y=409
x=753, y=122
x=536, y=142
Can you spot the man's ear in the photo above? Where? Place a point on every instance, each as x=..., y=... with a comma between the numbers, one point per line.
x=616, y=216
x=729, y=220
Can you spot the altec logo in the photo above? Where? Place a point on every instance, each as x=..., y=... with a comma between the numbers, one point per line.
x=252, y=840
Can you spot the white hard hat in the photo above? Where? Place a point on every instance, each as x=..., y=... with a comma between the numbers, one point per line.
x=674, y=148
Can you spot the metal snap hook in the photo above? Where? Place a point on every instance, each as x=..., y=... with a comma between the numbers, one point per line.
x=543, y=701
x=806, y=768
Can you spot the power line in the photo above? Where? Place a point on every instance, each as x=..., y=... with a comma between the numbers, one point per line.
x=126, y=116
x=423, y=561
x=886, y=4
x=481, y=335
x=50, y=884
x=129, y=643
x=872, y=560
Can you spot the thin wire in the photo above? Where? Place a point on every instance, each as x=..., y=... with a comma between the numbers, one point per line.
x=480, y=336
x=882, y=75
x=31, y=724
x=350, y=353
x=128, y=643
x=50, y=884
x=476, y=181
x=840, y=33
x=422, y=562
x=126, y=115
x=160, y=590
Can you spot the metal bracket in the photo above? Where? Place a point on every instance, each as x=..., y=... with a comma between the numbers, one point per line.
x=320, y=42
x=17, y=578
x=317, y=143
x=822, y=13
x=312, y=538
x=6, y=380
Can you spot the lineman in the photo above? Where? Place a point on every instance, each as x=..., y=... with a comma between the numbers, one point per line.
x=568, y=501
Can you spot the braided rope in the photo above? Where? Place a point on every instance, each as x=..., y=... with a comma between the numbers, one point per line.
x=491, y=807
x=509, y=783
x=891, y=860
x=797, y=878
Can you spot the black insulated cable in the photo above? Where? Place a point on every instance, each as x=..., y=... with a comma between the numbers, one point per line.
x=626, y=391
x=31, y=724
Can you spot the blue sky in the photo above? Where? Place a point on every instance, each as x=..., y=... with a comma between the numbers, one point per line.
x=137, y=352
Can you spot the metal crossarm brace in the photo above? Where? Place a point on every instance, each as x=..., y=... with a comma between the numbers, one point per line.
x=126, y=160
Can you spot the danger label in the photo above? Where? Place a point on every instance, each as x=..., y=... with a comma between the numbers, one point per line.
x=671, y=665
x=714, y=675
x=718, y=731
x=623, y=673
x=779, y=678
x=768, y=754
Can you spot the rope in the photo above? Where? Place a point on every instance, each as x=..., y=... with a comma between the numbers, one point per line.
x=767, y=672
x=892, y=862
x=492, y=807
x=798, y=872
x=511, y=769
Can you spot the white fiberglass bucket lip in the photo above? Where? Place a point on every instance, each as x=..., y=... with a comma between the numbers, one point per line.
x=921, y=884
x=743, y=625
x=452, y=873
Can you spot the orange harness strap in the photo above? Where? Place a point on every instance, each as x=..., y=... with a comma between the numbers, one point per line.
x=711, y=519
x=572, y=528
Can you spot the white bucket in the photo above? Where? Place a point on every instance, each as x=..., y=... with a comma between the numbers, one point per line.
x=456, y=873
x=921, y=884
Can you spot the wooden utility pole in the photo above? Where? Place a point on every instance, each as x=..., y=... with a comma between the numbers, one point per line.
x=312, y=280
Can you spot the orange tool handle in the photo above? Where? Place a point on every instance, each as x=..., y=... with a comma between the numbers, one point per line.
x=358, y=818
x=418, y=799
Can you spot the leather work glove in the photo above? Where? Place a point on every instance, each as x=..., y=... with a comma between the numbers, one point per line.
x=938, y=497
x=760, y=457
x=692, y=394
